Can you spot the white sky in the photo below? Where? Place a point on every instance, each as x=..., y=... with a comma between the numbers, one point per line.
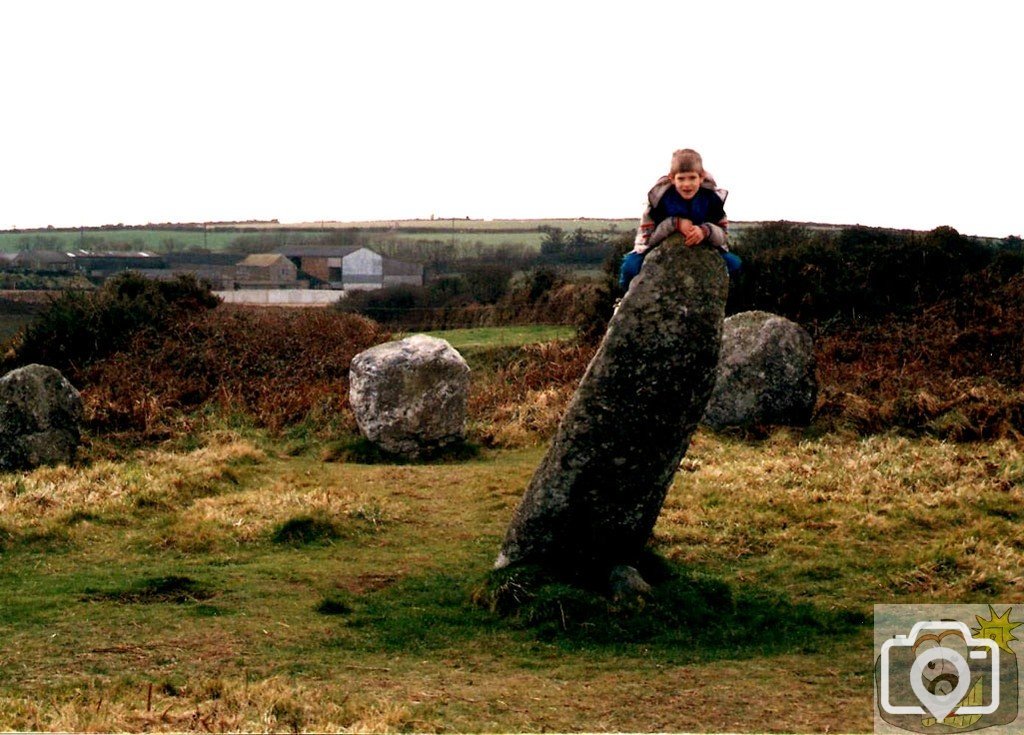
x=889, y=113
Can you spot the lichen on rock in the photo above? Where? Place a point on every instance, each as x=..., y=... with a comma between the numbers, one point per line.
x=409, y=397
x=40, y=418
x=766, y=373
x=594, y=499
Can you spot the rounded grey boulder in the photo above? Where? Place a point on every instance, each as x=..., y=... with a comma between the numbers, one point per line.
x=40, y=418
x=409, y=397
x=765, y=375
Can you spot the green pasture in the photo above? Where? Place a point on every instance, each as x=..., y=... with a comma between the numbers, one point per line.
x=479, y=338
x=466, y=235
x=465, y=241
x=464, y=225
x=151, y=240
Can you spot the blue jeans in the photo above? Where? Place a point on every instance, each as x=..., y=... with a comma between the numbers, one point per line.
x=632, y=262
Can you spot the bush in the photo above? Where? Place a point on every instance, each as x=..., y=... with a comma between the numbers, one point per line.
x=810, y=275
x=540, y=281
x=579, y=248
x=484, y=296
x=78, y=328
x=519, y=395
x=487, y=282
x=595, y=307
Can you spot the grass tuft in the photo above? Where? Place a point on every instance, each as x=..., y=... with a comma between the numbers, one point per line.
x=305, y=530
x=360, y=450
x=333, y=605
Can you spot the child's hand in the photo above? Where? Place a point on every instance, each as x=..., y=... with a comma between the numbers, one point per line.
x=692, y=234
x=663, y=230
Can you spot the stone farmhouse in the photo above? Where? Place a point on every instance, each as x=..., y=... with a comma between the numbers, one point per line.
x=268, y=270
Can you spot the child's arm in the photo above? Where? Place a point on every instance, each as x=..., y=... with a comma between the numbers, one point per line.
x=717, y=226
x=641, y=243
x=715, y=234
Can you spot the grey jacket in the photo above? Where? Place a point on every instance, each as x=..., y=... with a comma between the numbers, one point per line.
x=651, y=233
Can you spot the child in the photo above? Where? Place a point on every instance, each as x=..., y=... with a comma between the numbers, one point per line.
x=686, y=201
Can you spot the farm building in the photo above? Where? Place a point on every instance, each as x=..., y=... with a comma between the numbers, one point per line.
x=105, y=265
x=362, y=269
x=218, y=278
x=319, y=262
x=268, y=270
x=205, y=260
x=39, y=260
x=217, y=269
x=353, y=267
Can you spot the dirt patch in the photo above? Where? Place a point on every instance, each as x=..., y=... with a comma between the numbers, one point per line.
x=360, y=584
x=173, y=589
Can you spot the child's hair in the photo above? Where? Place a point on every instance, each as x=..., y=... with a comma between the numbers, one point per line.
x=684, y=161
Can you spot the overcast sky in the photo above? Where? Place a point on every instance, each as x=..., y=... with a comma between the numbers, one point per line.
x=891, y=113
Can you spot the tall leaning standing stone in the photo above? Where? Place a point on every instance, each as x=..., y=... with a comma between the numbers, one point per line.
x=40, y=418
x=594, y=499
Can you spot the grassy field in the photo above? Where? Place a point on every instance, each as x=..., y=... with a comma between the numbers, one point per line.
x=151, y=240
x=468, y=225
x=487, y=337
x=465, y=240
x=226, y=581
x=464, y=234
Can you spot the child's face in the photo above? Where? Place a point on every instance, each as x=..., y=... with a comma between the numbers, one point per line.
x=687, y=183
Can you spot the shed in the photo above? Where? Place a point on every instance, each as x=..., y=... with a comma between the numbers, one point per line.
x=105, y=265
x=42, y=260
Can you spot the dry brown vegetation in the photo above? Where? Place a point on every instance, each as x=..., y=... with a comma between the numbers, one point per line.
x=277, y=366
x=952, y=370
x=519, y=399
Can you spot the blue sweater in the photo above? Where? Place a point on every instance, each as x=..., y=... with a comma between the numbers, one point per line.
x=705, y=206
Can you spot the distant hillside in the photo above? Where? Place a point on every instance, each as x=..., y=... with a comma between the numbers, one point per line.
x=263, y=236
